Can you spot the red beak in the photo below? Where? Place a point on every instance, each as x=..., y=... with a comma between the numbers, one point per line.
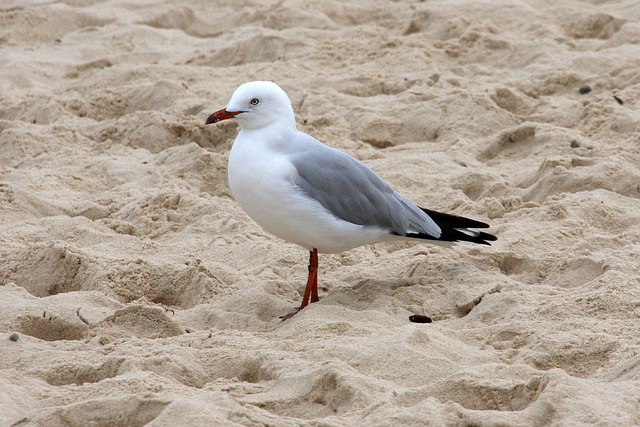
x=221, y=115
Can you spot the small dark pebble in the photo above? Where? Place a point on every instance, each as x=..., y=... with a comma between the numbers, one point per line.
x=620, y=101
x=58, y=40
x=418, y=318
x=14, y=337
x=584, y=89
x=575, y=143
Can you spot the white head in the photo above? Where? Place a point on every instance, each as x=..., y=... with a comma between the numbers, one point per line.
x=255, y=105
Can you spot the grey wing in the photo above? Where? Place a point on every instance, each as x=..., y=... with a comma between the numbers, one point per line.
x=354, y=193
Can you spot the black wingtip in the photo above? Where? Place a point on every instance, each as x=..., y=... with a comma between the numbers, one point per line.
x=454, y=221
x=487, y=236
x=453, y=235
x=451, y=226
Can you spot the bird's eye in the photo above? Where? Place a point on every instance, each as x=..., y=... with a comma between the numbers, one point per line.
x=255, y=101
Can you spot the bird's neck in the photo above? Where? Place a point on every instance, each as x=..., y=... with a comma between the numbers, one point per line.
x=276, y=136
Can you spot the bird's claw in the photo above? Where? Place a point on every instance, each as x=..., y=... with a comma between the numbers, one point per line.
x=290, y=315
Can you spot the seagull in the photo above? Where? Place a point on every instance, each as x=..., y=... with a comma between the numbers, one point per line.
x=307, y=193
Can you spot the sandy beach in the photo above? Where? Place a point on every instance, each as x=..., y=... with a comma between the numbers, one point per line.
x=135, y=291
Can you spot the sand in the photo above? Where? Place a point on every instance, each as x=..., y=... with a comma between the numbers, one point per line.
x=134, y=290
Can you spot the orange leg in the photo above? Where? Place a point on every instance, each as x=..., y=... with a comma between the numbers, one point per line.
x=312, y=285
x=313, y=275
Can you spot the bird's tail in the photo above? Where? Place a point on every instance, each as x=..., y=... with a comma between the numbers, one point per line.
x=456, y=229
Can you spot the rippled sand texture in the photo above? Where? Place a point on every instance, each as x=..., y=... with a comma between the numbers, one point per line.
x=141, y=293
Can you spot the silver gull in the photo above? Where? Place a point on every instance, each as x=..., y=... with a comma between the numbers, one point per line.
x=305, y=192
